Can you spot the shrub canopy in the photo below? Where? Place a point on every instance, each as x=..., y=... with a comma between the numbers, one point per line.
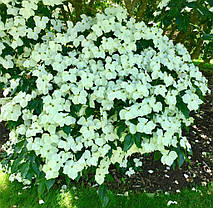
x=87, y=95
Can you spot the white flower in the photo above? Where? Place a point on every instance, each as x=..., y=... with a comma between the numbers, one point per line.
x=138, y=163
x=99, y=176
x=192, y=101
x=169, y=158
x=184, y=143
x=130, y=172
x=41, y=201
x=160, y=90
x=52, y=2
x=171, y=202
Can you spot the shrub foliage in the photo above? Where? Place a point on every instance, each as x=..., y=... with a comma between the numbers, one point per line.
x=91, y=94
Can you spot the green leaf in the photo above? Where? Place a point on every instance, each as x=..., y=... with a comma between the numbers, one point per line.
x=182, y=107
x=30, y=175
x=143, y=44
x=68, y=180
x=78, y=177
x=33, y=164
x=89, y=111
x=19, y=146
x=41, y=187
x=15, y=164
x=203, y=11
x=138, y=140
x=109, y=178
x=210, y=2
x=36, y=106
x=78, y=154
x=74, y=109
x=157, y=155
x=121, y=129
x=35, y=168
x=134, y=121
x=181, y=159
x=182, y=22
x=67, y=129
x=199, y=93
x=128, y=142
x=24, y=169
x=187, y=128
x=150, y=195
x=174, y=165
x=190, y=152
x=50, y=183
x=207, y=37
x=109, y=153
x=146, y=136
x=13, y=124
x=192, y=5
x=103, y=195
x=179, y=20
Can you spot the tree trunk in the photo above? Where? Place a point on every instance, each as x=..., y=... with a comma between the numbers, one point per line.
x=142, y=9
x=196, y=52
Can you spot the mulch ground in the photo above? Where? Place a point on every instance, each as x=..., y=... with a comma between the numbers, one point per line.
x=3, y=134
x=157, y=177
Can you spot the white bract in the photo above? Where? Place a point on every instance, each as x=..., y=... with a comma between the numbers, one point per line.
x=86, y=79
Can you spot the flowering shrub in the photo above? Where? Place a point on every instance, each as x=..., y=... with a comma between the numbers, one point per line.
x=91, y=94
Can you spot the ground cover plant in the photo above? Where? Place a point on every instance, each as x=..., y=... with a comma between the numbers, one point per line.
x=81, y=97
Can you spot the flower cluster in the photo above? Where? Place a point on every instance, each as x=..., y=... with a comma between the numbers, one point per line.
x=94, y=93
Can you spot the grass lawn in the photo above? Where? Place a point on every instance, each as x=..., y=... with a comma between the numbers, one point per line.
x=12, y=195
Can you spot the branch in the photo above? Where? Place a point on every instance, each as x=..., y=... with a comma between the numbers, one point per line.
x=130, y=5
x=69, y=11
x=133, y=6
x=142, y=9
x=196, y=51
x=78, y=7
x=91, y=3
x=64, y=14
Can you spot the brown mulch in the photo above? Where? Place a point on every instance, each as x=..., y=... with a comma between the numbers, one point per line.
x=3, y=131
x=3, y=134
x=162, y=178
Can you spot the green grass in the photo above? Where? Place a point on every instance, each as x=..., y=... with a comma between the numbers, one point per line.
x=12, y=195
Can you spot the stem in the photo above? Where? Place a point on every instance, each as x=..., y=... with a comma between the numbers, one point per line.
x=171, y=34
x=64, y=13
x=69, y=12
x=180, y=37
